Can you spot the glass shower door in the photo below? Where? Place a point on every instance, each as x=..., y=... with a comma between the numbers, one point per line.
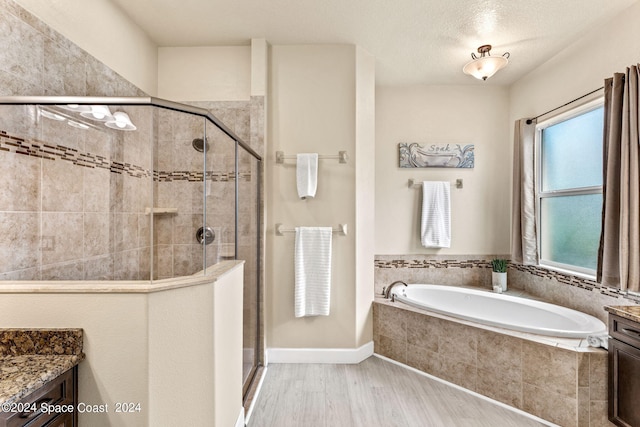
x=248, y=247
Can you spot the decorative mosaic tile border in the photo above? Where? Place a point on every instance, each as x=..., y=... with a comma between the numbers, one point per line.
x=563, y=278
x=567, y=279
x=431, y=263
x=193, y=176
x=16, y=145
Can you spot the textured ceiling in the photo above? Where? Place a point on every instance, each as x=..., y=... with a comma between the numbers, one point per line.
x=414, y=41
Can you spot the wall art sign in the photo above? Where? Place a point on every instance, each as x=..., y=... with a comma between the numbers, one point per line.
x=414, y=155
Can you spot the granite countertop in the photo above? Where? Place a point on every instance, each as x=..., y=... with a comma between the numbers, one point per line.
x=29, y=358
x=631, y=312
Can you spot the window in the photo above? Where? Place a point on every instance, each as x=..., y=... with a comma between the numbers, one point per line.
x=569, y=189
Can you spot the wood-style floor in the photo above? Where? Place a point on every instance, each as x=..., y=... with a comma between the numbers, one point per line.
x=371, y=394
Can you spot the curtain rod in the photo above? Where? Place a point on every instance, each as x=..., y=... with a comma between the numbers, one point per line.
x=529, y=121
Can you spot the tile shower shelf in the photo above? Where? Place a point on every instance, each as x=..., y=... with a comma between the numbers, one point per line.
x=160, y=211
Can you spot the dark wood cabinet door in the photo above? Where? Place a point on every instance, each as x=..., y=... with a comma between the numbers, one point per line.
x=624, y=384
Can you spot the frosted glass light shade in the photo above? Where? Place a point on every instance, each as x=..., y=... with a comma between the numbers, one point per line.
x=100, y=113
x=120, y=121
x=484, y=67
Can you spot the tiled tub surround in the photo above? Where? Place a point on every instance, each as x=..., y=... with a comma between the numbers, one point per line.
x=428, y=343
x=554, y=380
x=475, y=270
x=31, y=357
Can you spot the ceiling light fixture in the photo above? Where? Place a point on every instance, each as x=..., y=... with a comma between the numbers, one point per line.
x=120, y=121
x=486, y=65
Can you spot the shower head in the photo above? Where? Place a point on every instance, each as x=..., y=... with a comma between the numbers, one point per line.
x=200, y=144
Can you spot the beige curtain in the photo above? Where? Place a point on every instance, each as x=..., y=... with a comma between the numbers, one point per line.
x=619, y=251
x=524, y=244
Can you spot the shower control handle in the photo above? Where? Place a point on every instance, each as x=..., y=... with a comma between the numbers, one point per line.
x=205, y=235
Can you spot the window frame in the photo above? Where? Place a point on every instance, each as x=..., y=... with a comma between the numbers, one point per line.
x=540, y=195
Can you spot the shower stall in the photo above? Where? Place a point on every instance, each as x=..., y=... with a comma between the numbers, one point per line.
x=128, y=189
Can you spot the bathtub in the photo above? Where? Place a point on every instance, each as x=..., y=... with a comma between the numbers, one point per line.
x=504, y=311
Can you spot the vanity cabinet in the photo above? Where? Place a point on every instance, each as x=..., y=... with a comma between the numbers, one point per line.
x=60, y=392
x=624, y=371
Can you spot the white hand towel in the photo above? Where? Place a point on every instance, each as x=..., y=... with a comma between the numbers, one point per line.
x=312, y=271
x=307, y=174
x=435, y=229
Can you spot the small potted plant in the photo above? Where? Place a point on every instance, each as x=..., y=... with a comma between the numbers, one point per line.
x=499, y=273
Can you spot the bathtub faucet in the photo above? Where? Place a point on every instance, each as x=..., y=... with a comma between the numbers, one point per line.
x=387, y=291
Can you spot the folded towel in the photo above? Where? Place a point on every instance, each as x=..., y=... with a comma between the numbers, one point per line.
x=312, y=271
x=435, y=229
x=598, y=341
x=307, y=174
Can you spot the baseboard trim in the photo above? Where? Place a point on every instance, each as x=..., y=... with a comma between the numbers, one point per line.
x=320, y=355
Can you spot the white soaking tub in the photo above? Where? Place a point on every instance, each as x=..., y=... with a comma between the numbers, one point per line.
x=504, y=311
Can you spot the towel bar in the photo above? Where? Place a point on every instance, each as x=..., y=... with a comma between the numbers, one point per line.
x=342, y=156
x=280, y=230
x=413, y=184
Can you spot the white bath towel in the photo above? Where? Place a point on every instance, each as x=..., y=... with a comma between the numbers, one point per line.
x=307, y=174
x=598, y=341
x=435, y=230
x=312, y=271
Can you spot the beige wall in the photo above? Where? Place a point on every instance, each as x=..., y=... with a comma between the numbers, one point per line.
x=101, y=29
x=209, y=73
x=439, y=115
x=195, y=353
x=364, y=193
x=579, y=68
x=111, y=324
x=314, y=107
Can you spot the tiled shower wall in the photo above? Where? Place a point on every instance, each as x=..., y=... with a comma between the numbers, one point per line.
x=64, y=197
x=180, y=185
x=73, y=200
x=475, y=270
x=35, y=60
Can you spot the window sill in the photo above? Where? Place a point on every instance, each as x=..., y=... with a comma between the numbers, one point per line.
x=568, y=272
